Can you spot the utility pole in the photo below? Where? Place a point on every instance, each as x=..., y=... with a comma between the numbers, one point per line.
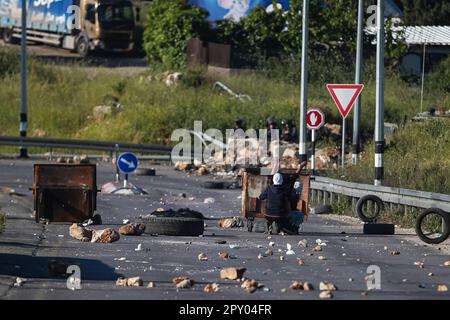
x=304, y=82
x=379, y=113
x=23, y=112
x=358, y=80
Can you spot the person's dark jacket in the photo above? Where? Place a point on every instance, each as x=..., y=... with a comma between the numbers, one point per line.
x=277, y=199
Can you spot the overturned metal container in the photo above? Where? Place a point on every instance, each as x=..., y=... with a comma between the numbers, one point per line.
x=64, y=192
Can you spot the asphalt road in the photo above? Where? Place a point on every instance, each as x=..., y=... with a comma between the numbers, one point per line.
x=26, y=248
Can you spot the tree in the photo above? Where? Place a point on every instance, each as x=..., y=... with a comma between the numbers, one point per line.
x=425, y=12
x=170, y=25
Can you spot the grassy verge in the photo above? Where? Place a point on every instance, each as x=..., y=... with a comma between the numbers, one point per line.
x=2, y=221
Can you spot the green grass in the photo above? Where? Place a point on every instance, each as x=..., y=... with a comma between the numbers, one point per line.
x=61, y=101
x=2, y=221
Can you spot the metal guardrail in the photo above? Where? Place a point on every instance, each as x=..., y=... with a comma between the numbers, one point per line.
x=110, y=146
x=330, y=188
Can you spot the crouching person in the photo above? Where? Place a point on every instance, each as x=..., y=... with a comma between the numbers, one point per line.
x=278, y=200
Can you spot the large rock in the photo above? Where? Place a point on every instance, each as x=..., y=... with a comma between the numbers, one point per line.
x=105, y=236
x=132, y=229
x=101, y=112
x=79, y=232
x=232, y=273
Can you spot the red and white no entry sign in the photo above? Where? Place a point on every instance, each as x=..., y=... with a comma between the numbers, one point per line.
x=315, y=119
x=345, y=95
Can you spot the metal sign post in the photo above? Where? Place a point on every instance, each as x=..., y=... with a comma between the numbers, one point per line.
x=23, y=112
x=343, y=143
x=304, y=82
x=127, y=163
x=315, y=119
x=379, y=105
x=356, y=148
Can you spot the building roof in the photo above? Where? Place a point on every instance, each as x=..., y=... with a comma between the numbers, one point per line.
x=428, y=35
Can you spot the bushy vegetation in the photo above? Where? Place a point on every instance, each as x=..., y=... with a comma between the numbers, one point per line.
x=262, y=38
x=2, y=221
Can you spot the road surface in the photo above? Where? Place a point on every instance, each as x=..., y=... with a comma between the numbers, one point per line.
x=26, y=248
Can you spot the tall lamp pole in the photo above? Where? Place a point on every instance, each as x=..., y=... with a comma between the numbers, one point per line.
x=23, y=112
x=304, y=82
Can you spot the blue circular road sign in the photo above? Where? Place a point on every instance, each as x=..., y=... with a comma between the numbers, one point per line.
x=127, y=162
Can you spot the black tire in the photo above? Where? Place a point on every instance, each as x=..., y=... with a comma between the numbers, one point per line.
x=7, y=36
x=214, y=185
x=174, y=226
x=323, y=209
x=360, y=208
x=420, y=219
x=145, y=172
x=82, y=47
x=379, y=228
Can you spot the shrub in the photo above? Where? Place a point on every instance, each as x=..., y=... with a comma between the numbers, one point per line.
x=170, y=25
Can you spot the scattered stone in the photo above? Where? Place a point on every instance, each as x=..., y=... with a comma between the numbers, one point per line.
x=132, y=229
x=250, y=285
x=350, y=279
x=211, y=288
x=230, y=223
x=419, y=264
x=301, y=262
x=395, y=253
x=364, y=293
x=202, y=171
x=271, y=244
x=183, y=282
x=182, y=166
x=79, y=232
x=260, y=256
x=296, y=285
x=139, y=247
x=327, y=286
x=283, y=290
x=209, y=200
x=308, y=286
x=126, y=221
x=442, y=288
x=430, y=274
x=224, y=255
x=232, y=273
x=318, y=248
x=322, y=258
x=19, y=282
x=129, y=282
x=447, y=263
x=182, y=194
x=202, y=257
x=281, y=258
x=191, y=198
x=326, y=295
x=269, y=253
x=105, y=236
x=151, y=285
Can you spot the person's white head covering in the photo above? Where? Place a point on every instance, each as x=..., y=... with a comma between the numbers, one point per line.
x=277, y=179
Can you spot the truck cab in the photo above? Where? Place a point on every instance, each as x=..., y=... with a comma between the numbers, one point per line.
x=106, y=25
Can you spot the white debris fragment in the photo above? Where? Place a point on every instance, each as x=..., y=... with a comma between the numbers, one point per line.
x=19, y=282
x=139, y=247
x=289, y=251
x=303, y=243
x=271, y=243
x=234, y=246
x=126, y=221
x=209, y=200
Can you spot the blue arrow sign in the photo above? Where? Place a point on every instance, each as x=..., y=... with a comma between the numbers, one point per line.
x=127, y=162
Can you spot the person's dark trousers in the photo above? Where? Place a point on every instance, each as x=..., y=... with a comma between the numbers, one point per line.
x=282, y=225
